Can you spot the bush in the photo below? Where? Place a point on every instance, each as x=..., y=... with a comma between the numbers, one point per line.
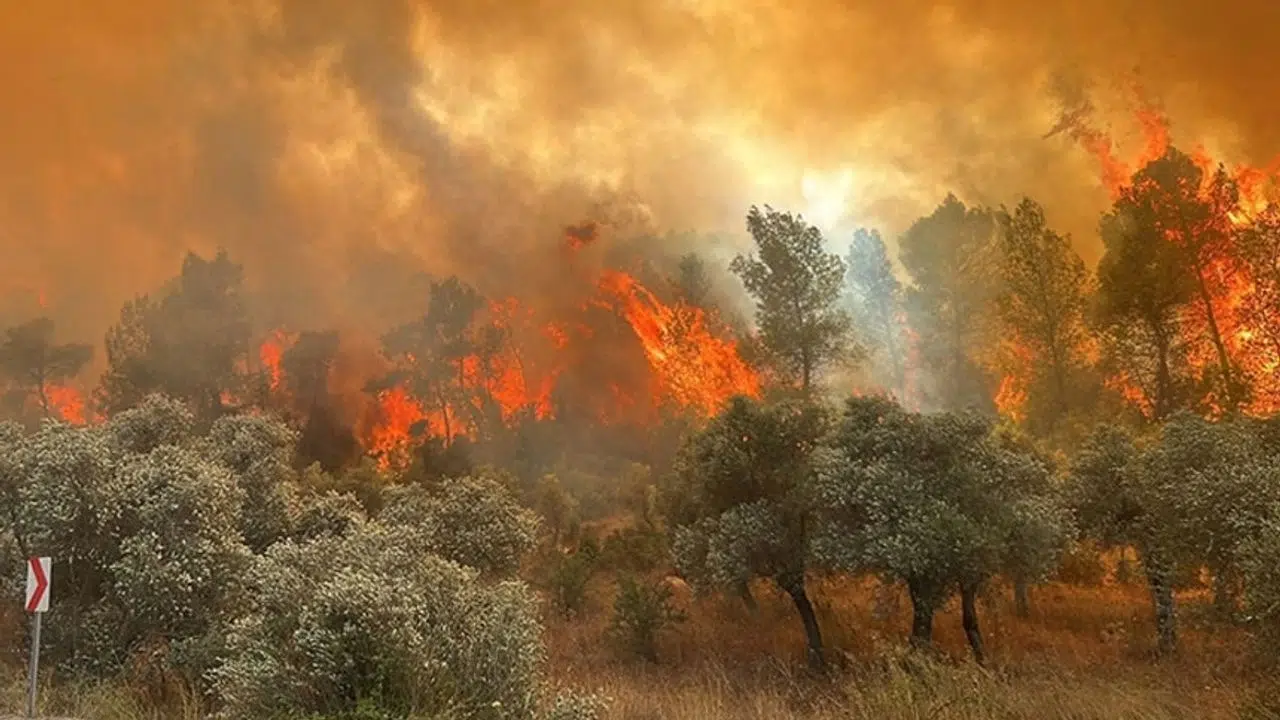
x=635, y=549
x=641, y=611
x=474, y=521
x=569, y=578
x=374, y=618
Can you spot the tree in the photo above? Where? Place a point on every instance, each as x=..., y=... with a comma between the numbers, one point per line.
x=1259, y=249
x=258, y=450
x=738, y=504
x=191, y=344
x=933, y=501
x=796, y=285
x=1141, y=289
x=31, y=360
x=146, y=531
x=1115, y=506
x=1042, y=304
x=474, y=521
x=307, y=366
x=950, y=258
x=876, y=304
x=1169, y=202
x=692, y=282
x=429, y=352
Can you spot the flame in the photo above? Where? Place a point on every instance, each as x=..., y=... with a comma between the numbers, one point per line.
x=1018, y=363
x=67, y=403
x=390, y=438
x=1226, y=277
x=270, y=354
x=697, y=369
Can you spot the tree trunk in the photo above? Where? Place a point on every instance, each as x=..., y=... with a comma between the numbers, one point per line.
x=744, y=592
x=1160, y=578
x=922, y=609
x=969, y=617
x=813, y=635
x=1021, y=597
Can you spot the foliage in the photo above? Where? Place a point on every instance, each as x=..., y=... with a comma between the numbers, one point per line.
x=474, y=521
x=932, y=500
x=739, y=504
x=188, y=343
x=641, y=611
x=1042, y=303
x=148, y=544
x=949, y=256
x=1259, y=556
x=634, y=549
x=796, y=285
x=31, y=360
x=570, y=575
x=374, y=616
x=259, y=450
x=1082, y=564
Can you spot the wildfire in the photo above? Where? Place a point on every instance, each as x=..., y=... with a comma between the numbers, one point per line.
x=67, y=403
x=1225, y=278
x=390, y=438
x=696, y=368
x=270, y=354
x=1018, y=363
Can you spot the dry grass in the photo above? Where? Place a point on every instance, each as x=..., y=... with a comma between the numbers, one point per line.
x=1085, y=654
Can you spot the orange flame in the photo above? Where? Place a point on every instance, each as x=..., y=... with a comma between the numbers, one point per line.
x=67, y=403
x=1226, y=278
x=270, y=354
x=696, y=368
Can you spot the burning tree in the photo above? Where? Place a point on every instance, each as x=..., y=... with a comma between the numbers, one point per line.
x=192, y=343
x=38, y=367
x=1041, y=304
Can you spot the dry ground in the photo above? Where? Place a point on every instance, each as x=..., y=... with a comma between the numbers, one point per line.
x=1085, y=654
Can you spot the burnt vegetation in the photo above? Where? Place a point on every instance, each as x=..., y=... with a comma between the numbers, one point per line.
x=271, y=522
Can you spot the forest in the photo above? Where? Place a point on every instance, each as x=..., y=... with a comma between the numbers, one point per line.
x=958, y=473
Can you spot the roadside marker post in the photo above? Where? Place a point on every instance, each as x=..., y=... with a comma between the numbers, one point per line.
x=38, y=575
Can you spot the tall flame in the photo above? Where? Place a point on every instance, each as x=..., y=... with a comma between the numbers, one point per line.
x=696, y=368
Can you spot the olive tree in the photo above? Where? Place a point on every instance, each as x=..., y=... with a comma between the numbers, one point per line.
x=934, y=501
x=1193, y=494
x=738, y=501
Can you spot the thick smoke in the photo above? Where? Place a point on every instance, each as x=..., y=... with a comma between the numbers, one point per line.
x=336, y=147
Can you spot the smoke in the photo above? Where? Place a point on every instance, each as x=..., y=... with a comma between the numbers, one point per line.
x=337, y=148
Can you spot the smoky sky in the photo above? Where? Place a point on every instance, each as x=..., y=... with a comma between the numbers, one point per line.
x=337, y=147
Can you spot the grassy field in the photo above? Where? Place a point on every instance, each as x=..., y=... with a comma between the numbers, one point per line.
x=1085, y=653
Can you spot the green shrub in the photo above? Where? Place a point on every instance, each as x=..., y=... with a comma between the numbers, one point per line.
x=641, y=611
x=569, y=578
x=635, y=549
x=373, y=619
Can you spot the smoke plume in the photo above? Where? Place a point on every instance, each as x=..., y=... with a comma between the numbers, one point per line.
x=336, y=148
